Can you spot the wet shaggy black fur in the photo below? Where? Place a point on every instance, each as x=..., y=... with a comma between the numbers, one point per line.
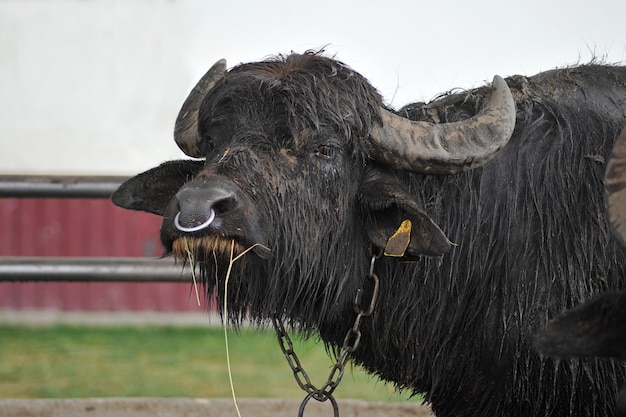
x=292, y=146
x=533, y=239
x=529, y=231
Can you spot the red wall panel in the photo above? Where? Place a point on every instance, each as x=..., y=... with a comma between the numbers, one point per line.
x=84, y=227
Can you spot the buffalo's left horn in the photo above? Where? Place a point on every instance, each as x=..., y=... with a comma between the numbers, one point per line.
x=186, y=127
x=446, y=148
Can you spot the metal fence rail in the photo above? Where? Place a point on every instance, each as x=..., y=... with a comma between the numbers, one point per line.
x=40, y=269
x=59, y=186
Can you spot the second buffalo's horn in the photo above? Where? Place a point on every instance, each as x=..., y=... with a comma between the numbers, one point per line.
x=615, y=188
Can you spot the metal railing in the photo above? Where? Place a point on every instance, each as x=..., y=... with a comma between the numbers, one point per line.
x=86, y=269
x=59, y=186
x=82, y=269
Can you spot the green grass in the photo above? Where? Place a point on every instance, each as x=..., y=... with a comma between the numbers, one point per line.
x=79, y=361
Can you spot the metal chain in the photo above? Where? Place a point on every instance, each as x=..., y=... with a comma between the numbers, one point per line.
x=350, y=343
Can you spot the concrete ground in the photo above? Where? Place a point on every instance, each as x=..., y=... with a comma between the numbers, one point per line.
x=190, y=407
x=107, y=318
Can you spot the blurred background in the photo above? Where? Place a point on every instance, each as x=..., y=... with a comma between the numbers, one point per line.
x=92, y=87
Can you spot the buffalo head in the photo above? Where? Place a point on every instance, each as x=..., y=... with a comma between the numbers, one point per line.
x=302, y=162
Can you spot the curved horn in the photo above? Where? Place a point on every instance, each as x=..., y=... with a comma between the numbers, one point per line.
x=446, y=148
x=186, y=127
x=615, y=188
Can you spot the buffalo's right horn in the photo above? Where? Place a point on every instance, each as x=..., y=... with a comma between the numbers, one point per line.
x=186, y=127
x=446, y=148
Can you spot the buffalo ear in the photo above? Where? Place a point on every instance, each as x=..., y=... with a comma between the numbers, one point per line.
x=594, y=328
x=152, y=190
x=390, y=210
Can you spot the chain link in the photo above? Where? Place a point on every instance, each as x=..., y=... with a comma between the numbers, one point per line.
x=350, y=343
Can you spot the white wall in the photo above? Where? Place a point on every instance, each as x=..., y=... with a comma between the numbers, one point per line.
x=90, y=86
x=94, y=86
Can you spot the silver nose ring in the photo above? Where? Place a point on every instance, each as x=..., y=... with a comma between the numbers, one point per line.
x=194, y=228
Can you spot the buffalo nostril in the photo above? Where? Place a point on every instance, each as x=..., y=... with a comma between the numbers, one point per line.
x=224, y=205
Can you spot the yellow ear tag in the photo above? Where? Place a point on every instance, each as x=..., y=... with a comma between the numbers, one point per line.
x=399, y=241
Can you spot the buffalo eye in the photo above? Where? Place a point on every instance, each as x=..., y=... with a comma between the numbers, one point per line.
x=327, y=152
x=209, y=145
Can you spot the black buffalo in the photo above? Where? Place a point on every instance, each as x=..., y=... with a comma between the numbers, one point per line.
x=598, y=326
x=502, y=188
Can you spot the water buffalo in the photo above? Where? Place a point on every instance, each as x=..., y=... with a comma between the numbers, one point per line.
x=598, y=326
x=487, y=205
